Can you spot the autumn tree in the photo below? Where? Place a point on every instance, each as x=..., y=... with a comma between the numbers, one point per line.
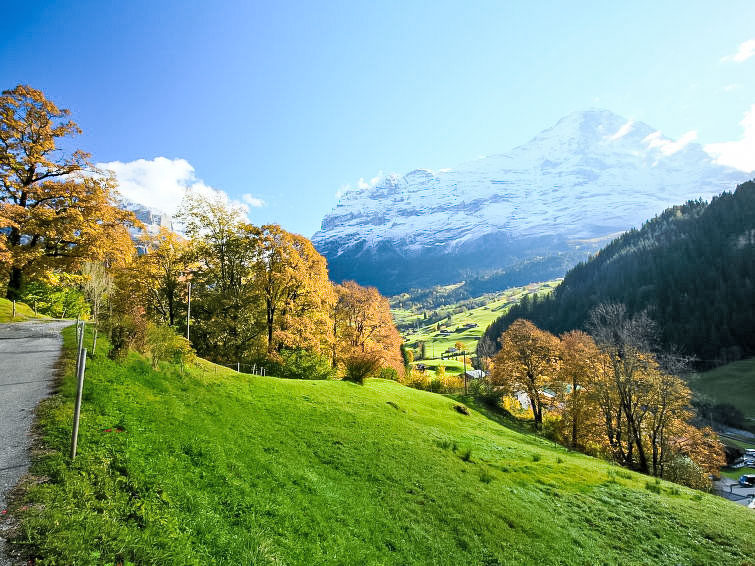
x=163, y=268
x=228, y=325
x=259, y=290
x=96, y=285
x=485, y=352
x=363, y=323
x=52, y=215
x=527, y=362
x=291, y=279
x=627, y=343
x=582, y=367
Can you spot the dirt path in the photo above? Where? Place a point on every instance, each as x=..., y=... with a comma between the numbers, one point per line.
x=28, y=354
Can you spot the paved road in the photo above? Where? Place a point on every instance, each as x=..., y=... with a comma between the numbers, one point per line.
x=28, y=354
x=731, y=490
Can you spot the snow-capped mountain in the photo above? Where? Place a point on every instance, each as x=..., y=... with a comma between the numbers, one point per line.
x=548, y=202
x=152, y=219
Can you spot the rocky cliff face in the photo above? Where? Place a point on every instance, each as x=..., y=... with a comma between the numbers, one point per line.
x=538, y=209
x=153, y=219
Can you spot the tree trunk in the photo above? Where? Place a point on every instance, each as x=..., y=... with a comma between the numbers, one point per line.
x=655, y=456
x=574, y=415
x=537, y=411
x=171, y=308
x=270, y=320
x=15, y=284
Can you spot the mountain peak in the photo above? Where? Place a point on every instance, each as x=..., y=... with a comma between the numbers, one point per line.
x=590, y=175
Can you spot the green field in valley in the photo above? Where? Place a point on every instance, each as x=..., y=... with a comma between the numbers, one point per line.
x=415, y=328
x=215, y=467
x=732, y=383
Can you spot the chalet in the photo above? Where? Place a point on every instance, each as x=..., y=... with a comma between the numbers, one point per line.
x=474, y=374
x=524, y=399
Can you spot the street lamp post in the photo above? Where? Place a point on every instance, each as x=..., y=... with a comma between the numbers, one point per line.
x=188, y=314
x=465, y=372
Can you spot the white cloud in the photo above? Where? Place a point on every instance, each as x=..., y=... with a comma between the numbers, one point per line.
x=162, y=183
x=732, y=87
x=745, y=51
x=361, y=185
x=624, y=130
x=741, y=153
x=252, y=201
x=666, y=146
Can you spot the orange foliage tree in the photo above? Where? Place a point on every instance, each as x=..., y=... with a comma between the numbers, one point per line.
x=582, y=367
x=54, y=215
x=362, y=324
x=291, y=278
x=527, y=362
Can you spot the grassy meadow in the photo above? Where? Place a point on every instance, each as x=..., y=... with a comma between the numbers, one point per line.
x=215, y=467
x=23, y=311
x=436, y=343
x=732, y=383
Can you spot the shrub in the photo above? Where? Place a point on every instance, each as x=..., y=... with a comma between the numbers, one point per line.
x=128, y=331
x=686, y=472
x=483, y=390
x=120, y=339
x=303, y=364
x=389, y=373
x=165, y=345
x=361, y=366
x=417, y=380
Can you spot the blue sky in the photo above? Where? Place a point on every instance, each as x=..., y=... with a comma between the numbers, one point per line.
x=284, y=104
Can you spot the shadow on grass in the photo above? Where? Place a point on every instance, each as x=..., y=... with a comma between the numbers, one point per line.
x=497, y=414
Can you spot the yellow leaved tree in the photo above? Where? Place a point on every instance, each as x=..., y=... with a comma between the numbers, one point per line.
x=54, y=212
x=528, y=362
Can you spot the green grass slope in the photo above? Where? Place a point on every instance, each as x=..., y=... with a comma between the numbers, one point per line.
x=215, y=467
x=23, y=311
x=732, y=383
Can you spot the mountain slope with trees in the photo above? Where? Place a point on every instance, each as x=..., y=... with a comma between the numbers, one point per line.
x=692, y=268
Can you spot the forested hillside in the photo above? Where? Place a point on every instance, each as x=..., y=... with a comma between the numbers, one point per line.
x=692, y=268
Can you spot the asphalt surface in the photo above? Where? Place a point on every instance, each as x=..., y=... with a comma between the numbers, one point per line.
x=29, y=352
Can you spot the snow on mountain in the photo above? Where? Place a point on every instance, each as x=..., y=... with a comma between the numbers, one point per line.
x=152, y=218
x=149, y=216
x=591, y=175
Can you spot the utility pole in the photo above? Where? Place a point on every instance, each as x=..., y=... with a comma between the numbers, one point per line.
x=188, y=314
